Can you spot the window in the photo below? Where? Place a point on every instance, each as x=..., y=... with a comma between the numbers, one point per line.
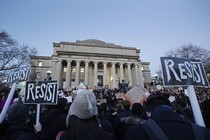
x=40, y=63
x=38, y=75
x=142, y=68
x=73, y=69
x=82, y=70
x=64, y=69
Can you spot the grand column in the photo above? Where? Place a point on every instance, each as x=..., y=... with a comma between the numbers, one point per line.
x=68, y=74
x=53, y=68
x=59, y=76
x=141, y=75
x=86, y=72
x=113, y=75
x=95, y=74
x=121, y=72
x=105, y=74
x=137, y=73
x=77, y=73
x=129, y=74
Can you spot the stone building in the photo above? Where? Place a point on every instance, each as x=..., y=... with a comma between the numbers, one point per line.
x=92, y=62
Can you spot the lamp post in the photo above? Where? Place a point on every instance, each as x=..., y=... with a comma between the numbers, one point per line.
x=156, y=79
x=49, y=75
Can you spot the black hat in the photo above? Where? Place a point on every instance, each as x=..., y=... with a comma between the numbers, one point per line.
x=156, y=100
x=17, y=113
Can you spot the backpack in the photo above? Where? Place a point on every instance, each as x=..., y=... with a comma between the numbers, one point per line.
x=154, y=132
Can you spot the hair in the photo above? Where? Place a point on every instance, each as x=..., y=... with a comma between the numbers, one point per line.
x=137, y=109
x=126, y=104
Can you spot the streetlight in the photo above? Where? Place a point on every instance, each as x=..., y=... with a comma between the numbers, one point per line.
x=156, y=79
x=49, y=75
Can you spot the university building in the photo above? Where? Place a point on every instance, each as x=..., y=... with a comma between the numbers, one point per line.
x=92, y=62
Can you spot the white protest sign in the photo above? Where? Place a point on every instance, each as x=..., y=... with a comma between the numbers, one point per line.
x=137, y=94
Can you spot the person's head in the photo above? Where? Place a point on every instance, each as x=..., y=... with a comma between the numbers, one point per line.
x=17, y=113
x=126, y=104
x=137, y=109
x=84, y=106
x=154, y=101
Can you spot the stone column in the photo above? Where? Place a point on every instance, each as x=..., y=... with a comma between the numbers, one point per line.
x=113, y=75
x=68, y=74
x=86, y=72
x=77, y=73
x=95, y=74
x=129, y=74
x=105, y=74
x=59, y=76
x=141, y=76
x=137, y=73
x=53, y=68
x=121, y=72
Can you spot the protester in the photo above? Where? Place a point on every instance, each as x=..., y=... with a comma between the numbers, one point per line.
x=82, y=120
x=171, y=124
x=135, y=119
x=124, y=113
x=206, y=112
x=15, y=125
x=53, y=120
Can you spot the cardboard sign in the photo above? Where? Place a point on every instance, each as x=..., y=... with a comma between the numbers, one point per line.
x=17, y=75
x=137, y=94
x=119, y=95
x=45, y=93
x=185, y=72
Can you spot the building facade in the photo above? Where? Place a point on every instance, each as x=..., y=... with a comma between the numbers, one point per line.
x=93, y=63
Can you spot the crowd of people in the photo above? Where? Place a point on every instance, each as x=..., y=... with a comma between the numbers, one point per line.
x=163, y=115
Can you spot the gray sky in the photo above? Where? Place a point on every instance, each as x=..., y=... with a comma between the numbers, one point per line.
x=153, y=26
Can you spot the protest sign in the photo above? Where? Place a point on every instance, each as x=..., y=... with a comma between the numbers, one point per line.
x=19, y=74
x=46, y=92
x=179, y=71
x=137, y=94
x=119, y=95
x=15, y=76
x=185, y=72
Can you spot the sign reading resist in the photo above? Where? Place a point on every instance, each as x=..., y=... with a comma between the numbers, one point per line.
x=19, y=74
x=185, y=72
x=45, y=93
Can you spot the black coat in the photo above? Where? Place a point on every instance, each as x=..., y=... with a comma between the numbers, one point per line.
x=172, y=124
x=17, y=131
x=53, y=122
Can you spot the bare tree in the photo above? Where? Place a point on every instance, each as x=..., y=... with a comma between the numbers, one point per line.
x=190, y=51
x=13, y=55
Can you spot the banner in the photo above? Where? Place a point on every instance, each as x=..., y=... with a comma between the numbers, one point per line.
x=45, y=93
x=185, y=72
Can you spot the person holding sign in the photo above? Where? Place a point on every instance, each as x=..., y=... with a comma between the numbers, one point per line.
x=165, y=124
x=15, y=124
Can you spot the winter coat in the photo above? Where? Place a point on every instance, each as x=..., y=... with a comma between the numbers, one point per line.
x=172, y=124
x=17, y=132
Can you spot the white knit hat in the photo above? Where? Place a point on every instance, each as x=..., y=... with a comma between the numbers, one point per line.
x=84, y=105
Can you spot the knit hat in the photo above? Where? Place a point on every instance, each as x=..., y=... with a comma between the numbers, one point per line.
x=84, y=105
x=17, y=113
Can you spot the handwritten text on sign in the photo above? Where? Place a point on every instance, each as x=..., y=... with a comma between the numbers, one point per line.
x=44, y=93
x=17, y=75
x=179, y=71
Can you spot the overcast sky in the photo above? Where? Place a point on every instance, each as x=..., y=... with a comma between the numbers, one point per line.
x=153, y=26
